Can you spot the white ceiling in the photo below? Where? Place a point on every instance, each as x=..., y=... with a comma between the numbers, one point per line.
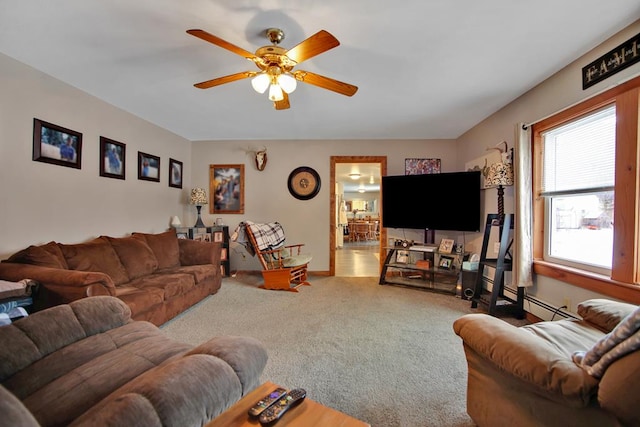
x=424, y=68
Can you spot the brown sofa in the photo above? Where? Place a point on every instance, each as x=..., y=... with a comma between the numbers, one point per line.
x=525, y=376
x=157, y=275
x=89, y=364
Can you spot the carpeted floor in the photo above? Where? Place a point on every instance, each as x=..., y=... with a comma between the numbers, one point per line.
x=386, y=355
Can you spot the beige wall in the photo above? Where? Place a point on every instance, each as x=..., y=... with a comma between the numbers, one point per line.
x=267, y=197
x=42, y=202
x=556, y=93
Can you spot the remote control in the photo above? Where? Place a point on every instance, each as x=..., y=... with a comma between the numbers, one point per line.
x=267, y=401
x=277, y=410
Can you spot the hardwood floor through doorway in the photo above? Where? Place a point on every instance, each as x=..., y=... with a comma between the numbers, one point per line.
x=358, y=259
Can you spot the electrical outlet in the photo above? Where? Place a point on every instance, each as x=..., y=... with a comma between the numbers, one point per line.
x=567, y=303
x=496, y=247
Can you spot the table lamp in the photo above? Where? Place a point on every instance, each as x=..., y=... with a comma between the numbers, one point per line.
x=500, y=175
x=198, y=198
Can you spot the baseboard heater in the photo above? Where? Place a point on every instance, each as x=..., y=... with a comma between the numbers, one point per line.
x=533, y=300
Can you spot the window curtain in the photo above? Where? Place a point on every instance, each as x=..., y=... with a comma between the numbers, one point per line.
x=523, y=228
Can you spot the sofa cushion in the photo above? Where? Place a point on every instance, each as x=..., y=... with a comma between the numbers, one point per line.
x=96, y=255
x=200, y=273
x=172, y=284
x=136, y=256
x=47, y=255
x=603, y=313
x=140, y=300
x=164, y=246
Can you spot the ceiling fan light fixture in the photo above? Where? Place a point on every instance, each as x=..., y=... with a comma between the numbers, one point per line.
x=261, y=82
x=275, y=93
x=287, y=82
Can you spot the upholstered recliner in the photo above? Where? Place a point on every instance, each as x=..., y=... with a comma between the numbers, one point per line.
x=87, y=363
x=526, y=376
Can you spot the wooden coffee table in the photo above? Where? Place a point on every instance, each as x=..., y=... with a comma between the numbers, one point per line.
x=306, y=414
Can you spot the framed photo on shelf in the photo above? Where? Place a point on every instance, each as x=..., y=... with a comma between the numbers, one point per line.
x=446, y=263
x=56, y=145
x=223, y=254
x=402, y=257
x=446, y=246
x=218, y=236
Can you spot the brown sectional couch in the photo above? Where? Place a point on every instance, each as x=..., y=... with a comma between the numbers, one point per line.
x=157, y=275
x=88, y=363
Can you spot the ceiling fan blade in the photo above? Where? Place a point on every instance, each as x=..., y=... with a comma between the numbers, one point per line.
x=318, y=43
x=222, y=43
x=282, y=105
x=325, y=82
x=226, y=79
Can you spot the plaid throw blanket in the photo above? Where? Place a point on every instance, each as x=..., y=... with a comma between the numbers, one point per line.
x=268, y=236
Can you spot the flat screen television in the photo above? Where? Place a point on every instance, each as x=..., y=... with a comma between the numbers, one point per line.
x=441, y=201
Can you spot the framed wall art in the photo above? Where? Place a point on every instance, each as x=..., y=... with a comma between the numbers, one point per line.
x=175, y=173
x=112, y=158
x=148, y=167
x=421, y=166
x=56, y=145
x=226, y=188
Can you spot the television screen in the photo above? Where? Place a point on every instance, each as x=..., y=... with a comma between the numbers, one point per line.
x=442, y=201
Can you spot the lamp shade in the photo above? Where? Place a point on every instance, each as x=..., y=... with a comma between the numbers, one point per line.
x=261, y=82
x=198, y=197
x=499, y=174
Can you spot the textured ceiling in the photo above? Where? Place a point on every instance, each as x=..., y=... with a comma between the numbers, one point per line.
x=425, y=69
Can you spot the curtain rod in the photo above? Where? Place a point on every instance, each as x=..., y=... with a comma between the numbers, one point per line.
x=527, y=125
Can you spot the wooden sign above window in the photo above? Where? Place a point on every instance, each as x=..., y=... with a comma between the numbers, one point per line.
x=628, y=53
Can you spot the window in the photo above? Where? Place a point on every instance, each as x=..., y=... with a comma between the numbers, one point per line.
x=586, y=193
x=578, y=176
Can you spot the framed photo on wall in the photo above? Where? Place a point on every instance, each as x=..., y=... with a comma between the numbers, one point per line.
x=175, y=173
x=226, y=189
x=421, y=166
x=148, y=167
x=112, y=158
x=56, y=145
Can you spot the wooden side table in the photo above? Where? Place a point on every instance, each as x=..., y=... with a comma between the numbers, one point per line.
x=306, y=414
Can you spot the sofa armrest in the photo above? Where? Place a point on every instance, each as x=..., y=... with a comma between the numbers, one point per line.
x=525, y=356
x=605, y=314
x=68, y=285
x=193, y=252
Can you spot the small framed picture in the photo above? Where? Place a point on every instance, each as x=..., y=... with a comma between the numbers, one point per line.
x=56, y=145
x=175, y=173
x=182, y=235
x=217, y=236
x=148, y=167
x=223, y=254
x=446, y=263
x=112, y=158
x=402, y=257
x=446, y=246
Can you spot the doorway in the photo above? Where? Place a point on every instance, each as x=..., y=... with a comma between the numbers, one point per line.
x=339, y=163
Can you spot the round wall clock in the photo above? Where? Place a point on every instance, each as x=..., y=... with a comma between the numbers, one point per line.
x=304, y=183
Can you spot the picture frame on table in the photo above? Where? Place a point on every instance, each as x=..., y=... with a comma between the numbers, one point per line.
x=402, y=257
x=226, y=187
x=112, y=158
x=446, y=246
x=223, y=254
x=175, y=173
x=56, y=145
x=148, y=167
x=446, y=263
x=218, y=237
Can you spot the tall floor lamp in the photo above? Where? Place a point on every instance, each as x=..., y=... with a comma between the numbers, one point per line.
x=198, y=198
x=500, y=175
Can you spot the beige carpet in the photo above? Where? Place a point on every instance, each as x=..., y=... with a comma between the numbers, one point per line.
x=384, y=354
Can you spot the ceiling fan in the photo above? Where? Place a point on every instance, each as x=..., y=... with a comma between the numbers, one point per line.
x=276, y=66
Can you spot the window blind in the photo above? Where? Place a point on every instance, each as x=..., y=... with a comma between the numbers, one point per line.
x=580, y=157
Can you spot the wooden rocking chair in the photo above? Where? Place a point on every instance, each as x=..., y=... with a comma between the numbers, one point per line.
x=284, y=266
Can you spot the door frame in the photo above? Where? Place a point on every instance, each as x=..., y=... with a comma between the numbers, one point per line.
x=382, y=160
